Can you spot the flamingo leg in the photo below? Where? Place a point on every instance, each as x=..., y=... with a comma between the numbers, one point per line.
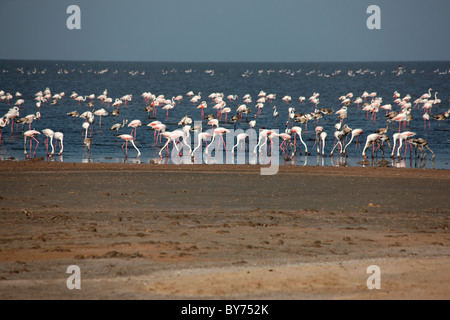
x=37, y=144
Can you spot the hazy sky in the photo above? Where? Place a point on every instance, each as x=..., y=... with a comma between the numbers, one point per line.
x=226, y=30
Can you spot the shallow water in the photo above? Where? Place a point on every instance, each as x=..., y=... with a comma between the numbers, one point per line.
x=330, y=80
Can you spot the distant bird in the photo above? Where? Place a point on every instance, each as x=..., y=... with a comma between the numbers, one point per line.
x=101, y=113
x=119, y=125
x=275, y=114
x=74, y=114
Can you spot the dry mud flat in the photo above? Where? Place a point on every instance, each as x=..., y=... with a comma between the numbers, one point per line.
x=222, y=232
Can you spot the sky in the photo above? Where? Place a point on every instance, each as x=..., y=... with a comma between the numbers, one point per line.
x=226, y=30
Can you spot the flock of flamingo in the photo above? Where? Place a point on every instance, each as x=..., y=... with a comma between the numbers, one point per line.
x=222, y=105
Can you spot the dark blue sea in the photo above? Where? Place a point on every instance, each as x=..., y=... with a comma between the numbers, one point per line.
x=330, y=80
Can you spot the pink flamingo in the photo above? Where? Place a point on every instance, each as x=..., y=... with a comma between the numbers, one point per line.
x=30, y=134
x=202, y=136
x=3, y=123
x=101, y=113
x=371, y=139
x=49, y=134
x=219, y=131
x=59, y=136
x=355, y=133
x=298, y=131
x=128, y=138
x=405, y=136
x=135, y=124
x=285, y=138
x=240, y=139
x=203, y=106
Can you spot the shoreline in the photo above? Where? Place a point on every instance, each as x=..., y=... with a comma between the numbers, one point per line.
x=148, y=231
x=39, y=165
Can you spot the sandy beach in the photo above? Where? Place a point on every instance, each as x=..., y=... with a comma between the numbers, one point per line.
x=146, y=231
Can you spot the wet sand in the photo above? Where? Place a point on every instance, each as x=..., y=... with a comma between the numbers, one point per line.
x=144, y=231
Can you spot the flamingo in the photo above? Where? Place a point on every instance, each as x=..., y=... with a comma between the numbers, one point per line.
x=342, y=113
x=101, y=113
x=203, y=106
x=108, y=100
x=30, y=134
x=420, y=144
x=264, y=133
x=128, y=138
x=371, y=139
x=339, y=136
x=226, y=111
x=318, y=130
x=80, y=98
x=240, y=138
x=186, y=120
x=171, y=137
x=275, y=114
x=3, y=123
x=404, y=136
x=202, y=136
x=219, y=131
x=426, y=117
x=395, y=137
x=117, y=103
x=59, y=136
x=427, y=95
x=285, y=137
x=19, y=103
x=49, y=133
x=355, y=133
x=126, y=98
x=213, y=123
x=323, y=136
x=135, y=124
x=358, y=101
x=287, y=99
x=85, y=126
x=159, y=128
x=252, y=123
x=401, y=117
x=168, y=107
x=118, y=125
x=298, y=131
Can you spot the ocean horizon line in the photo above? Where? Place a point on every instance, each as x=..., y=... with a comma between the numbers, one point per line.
x=224, y=62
